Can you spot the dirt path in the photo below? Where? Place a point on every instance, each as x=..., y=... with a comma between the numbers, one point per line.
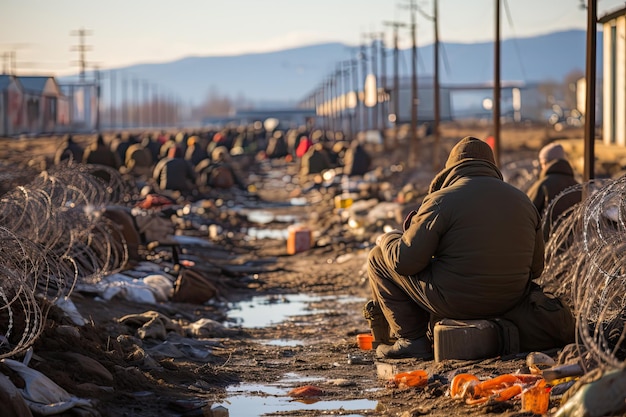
x=299, y=317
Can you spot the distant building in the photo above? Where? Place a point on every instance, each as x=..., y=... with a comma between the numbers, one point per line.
x=11, y=106
x=46, y=107
x=614, y=77
x=32, y=105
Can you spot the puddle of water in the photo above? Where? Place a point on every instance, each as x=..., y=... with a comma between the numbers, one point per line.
x=277, y=234
x=265, y=311
x=282, y=342
x=266, y=216
x=259, y=399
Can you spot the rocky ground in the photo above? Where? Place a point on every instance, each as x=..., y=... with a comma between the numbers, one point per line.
x=319, y=292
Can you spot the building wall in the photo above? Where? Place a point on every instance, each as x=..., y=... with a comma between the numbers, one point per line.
x=614, y=74
x=620, y=83
x=15, y=111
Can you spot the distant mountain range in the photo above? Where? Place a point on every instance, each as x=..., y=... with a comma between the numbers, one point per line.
x=287, y=76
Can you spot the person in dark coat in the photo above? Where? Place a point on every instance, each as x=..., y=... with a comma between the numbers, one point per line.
x=468, y=252
x=315, y=160
x=556, y=175
x=174, y=173
x=217, y=171
x=98, y=153
x=196, y=150
x=68, y=150
x=356, y=160
x=277, y=146
x=138, y=159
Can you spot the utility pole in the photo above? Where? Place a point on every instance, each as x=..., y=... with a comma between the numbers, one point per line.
x=436, y=101
x=384, y=114
x=414, y=97
x=13, y=62
x=97, y=76
x=590, y=106
x=124, y=101
x=374, y=64
x=5, y=62
x=364, y=114
x=333, y=100
x=496, y=89
x=396, y=78
x=342, y=95
x=346, y=67
x=327, y=105
x=154, y=108
x=354, y=72
x=136, y=102
x=144, y=105
x=81, y=48
x=113, y=103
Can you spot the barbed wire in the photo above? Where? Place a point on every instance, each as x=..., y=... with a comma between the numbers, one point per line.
x=586, y=265
x=53, y=234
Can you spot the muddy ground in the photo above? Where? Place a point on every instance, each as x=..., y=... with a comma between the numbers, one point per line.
x=250, y=370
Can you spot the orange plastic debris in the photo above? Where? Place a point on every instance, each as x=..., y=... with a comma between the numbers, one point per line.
x=507, y=393
x=306, y=391
x=417, y=378
x=536, y=399
x=460, y=384
x=500, y=388
x=498, y=383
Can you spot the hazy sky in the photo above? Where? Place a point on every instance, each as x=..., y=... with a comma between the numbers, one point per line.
x=126, y=32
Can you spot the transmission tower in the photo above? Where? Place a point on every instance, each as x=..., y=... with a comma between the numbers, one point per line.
x=81, y=48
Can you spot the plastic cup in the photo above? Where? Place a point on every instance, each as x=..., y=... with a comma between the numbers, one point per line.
x=365, y=341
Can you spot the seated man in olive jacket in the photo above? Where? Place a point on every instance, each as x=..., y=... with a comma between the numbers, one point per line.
x=467, y=253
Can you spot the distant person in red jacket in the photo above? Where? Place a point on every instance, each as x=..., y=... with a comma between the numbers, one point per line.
x=303, y=146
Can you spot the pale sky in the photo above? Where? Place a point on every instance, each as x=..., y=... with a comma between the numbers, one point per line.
x=127, y=32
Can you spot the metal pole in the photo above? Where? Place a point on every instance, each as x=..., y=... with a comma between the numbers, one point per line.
x=341, y=96
x=396, y=80
x=136, y=102
x=383, y=77
x=124, y=102
x=436, y=101
x=97, y=76
x=364, y=114
x=414, y=96
x=375, y=74
x=153, y=108
x=354, y=66
x=113, y=104
x=590, y=106
x=346, y=88
x=496, y=89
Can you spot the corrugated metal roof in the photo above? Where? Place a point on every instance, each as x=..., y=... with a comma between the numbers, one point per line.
x=33, y=84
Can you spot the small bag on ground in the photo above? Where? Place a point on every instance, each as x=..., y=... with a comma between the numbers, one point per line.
x=543, y=320
x=193, y=287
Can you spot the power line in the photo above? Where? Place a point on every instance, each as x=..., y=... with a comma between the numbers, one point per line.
x=515, y=42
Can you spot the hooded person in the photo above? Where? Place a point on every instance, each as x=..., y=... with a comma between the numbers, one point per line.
x=68, y=150
x=469, y=252
x=174, y=173
x=555, y=176
x=98, y=153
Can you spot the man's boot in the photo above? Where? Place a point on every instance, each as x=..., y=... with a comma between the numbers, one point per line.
x=378, y=323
